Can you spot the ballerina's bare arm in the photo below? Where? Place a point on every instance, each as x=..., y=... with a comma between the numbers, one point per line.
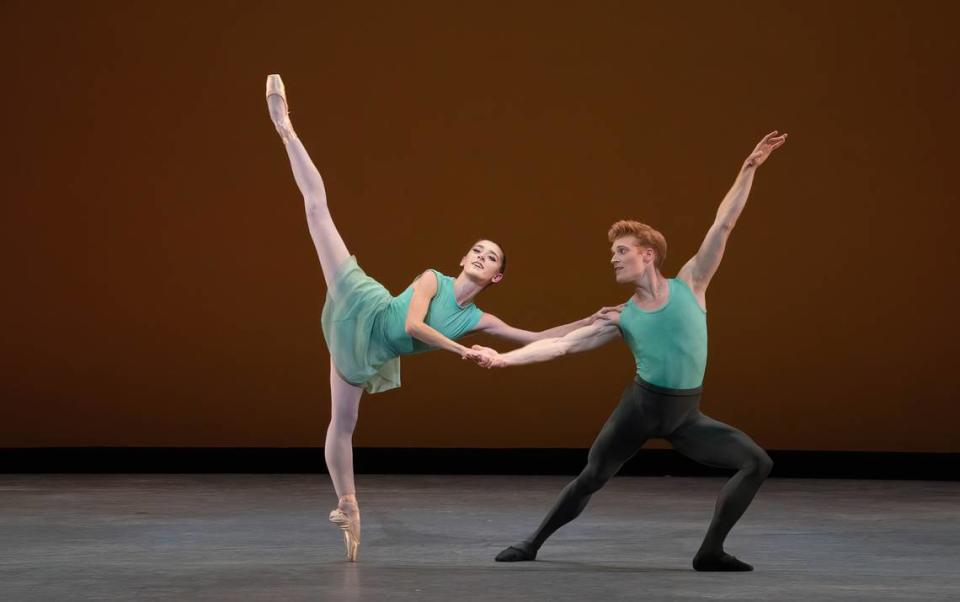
x=424, y=289
x=491, y=324
x=582, y=339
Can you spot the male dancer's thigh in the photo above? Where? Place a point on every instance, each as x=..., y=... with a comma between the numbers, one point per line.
x=714, y=443
x=623, y=434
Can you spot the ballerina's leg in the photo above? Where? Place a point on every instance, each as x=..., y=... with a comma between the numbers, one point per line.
x=338, y=452
x=332, y=252
x=338, y=449
x=329, y=245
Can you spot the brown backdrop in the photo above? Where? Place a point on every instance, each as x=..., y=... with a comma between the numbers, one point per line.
x=160, y=287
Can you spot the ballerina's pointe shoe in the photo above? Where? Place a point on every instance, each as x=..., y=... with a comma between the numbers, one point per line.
x=278, y=107
x=350, y=525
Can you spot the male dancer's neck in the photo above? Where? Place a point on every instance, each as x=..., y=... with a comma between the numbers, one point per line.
x=651, y=286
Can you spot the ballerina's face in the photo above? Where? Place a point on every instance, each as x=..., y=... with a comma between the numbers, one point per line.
x=484, y=262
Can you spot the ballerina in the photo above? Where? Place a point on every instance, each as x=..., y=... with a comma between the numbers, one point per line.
x=367, y=329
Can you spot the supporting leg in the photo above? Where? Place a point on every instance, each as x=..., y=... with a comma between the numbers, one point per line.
x=338, y=452
x=714, y=443
x=621, y=437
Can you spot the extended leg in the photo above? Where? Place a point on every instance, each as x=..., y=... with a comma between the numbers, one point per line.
x=621, y=437
x=714, y=443
x=326, y=239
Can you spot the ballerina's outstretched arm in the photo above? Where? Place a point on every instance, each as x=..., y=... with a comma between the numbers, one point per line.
x=589, y=337
x=491, y=324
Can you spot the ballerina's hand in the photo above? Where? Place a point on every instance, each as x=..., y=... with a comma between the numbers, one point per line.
x=605, y=313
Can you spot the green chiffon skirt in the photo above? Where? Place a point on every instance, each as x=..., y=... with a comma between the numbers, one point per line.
x=349, y=315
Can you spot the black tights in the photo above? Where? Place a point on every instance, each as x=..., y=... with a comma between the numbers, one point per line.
x=646, y=411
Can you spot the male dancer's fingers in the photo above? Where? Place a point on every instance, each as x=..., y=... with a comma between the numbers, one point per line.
x=778, y=142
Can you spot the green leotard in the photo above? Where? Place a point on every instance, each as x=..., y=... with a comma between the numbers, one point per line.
x=669, y=343
x=363, y=325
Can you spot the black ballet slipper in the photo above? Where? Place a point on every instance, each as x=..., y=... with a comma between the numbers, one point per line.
x=719, y=562
x=516, y=553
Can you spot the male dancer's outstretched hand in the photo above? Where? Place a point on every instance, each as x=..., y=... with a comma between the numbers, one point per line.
x=763, y=149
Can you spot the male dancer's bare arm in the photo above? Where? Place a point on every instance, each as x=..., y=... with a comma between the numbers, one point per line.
x=702, y=266
x=582, y=339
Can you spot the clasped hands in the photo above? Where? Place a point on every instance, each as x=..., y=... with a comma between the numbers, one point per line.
x=485, y=357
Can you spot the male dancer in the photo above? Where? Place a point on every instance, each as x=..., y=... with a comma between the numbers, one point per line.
x=665, y=325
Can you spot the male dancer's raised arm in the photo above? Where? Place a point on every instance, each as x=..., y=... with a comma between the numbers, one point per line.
x=698, y=271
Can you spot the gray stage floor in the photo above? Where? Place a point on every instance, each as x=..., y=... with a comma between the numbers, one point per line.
x=265, y=537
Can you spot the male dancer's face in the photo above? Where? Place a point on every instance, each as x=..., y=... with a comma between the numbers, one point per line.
x=482, y=262
x=630, y=261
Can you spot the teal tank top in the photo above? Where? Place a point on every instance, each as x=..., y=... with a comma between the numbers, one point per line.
x=669, y=343
x=443, y=315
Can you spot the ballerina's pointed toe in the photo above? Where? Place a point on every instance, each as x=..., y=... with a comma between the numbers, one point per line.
x=275, y=86
x=279, y=116
x=351, y=532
